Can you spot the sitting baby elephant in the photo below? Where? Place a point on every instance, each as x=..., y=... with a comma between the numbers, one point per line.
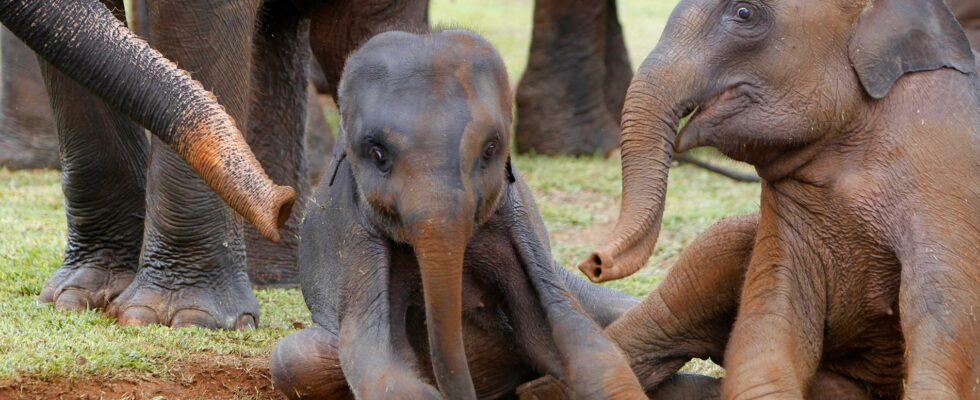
x=424, y=261
x=859, y=276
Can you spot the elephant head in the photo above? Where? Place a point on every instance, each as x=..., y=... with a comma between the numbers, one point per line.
x=83, y=39
x=432, y=166
x=766, y=82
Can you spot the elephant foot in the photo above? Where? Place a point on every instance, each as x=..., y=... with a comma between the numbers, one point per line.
x=306, y=364
x=89, y=285
x=159, y=297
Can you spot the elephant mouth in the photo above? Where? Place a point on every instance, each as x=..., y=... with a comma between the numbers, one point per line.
x=703, y=118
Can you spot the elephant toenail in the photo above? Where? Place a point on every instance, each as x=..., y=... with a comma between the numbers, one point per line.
x=138, y=316
x=246, y=321
x=47, y=295
x=190, y=317
x=75, y=300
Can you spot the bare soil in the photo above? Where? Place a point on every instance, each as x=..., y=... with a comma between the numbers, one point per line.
x=202, y=377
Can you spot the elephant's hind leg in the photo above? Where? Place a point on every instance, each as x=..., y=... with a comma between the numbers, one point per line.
x=28, y=138
x=276, y=126
x=691, y=313
x=306, y=365
x=570, y=97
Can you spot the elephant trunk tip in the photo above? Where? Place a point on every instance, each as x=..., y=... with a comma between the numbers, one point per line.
x=214, y=147
x=280, y=206
x=600, y=267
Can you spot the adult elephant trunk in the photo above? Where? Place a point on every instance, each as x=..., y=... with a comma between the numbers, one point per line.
x=656, y=100
x=82, y=39
x=440, y=243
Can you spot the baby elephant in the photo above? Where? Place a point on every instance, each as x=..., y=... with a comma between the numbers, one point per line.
x=424, y=260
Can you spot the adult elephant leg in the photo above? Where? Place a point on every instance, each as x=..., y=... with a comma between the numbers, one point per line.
x=333, y=41
x=28, y=137
x=319, y=138
x=562, y=105
x=103, y=177
x=192, y=270
x=619, y=71
x=276, y=127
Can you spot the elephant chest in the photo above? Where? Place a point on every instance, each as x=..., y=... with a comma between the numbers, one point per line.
x=839, y=254
x=496, y=362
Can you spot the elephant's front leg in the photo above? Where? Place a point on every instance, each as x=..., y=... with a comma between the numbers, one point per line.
x=374, y=352
x=104, y=156
x=192, y=268
x=777, y=340
x=939, y=303
x=276, y=125
x=690, y=314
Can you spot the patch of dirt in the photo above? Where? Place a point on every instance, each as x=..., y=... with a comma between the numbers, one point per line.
x=201, y=377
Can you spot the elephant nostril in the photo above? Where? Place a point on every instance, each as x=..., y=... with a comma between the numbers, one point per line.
x=596, y=273
x=597, y=260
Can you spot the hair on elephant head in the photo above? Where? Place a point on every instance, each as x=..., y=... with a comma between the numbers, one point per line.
x=765, y=82
x=424, y=241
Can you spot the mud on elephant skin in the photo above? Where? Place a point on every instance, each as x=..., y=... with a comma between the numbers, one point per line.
x=861, y=262
x=425, y=263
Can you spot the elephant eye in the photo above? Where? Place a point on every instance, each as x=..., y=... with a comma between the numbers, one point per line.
x=380, y=158
x=744, y=14
x=489, y=150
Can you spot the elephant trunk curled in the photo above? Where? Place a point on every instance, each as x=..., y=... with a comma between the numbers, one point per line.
x=654, y=106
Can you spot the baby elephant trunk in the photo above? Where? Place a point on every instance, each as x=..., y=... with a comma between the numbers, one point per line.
x=440, y=242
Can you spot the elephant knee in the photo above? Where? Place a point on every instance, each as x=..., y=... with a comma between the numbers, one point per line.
x=306, y=365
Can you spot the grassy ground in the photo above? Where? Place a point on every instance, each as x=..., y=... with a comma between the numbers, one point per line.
x=578, y=197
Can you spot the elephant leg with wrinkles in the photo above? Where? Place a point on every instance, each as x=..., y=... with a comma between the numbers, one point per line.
x=276, y=126
x=104, y=157
x=192, y=267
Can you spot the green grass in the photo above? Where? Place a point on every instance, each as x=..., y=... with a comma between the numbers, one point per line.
x=574, y=194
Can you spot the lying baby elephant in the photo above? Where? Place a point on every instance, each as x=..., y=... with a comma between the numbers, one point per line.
x=859, y=276
x=424, y=261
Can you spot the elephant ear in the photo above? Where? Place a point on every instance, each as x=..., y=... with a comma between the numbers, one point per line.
x=896, y=37
x=339, y=154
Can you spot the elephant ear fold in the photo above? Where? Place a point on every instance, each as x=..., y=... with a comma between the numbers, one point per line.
x=896, y=37
x=339, y=154
x=510, y=172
